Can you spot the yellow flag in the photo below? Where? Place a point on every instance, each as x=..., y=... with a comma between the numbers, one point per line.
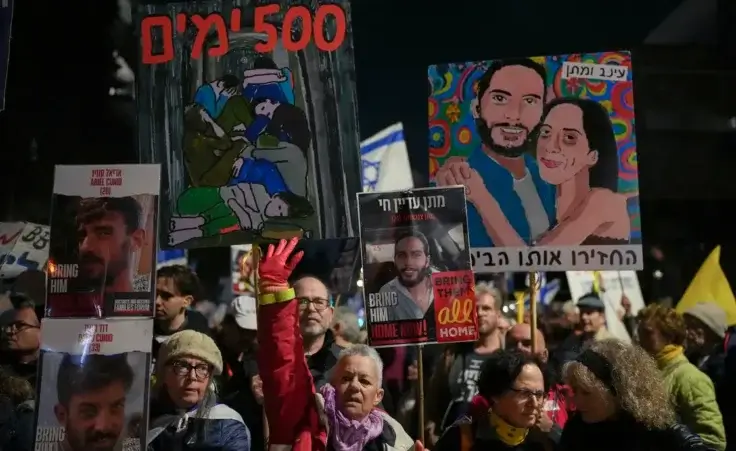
x=710, y=285
x=597, y=282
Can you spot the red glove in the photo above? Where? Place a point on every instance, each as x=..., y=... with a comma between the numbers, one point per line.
x=274, y=269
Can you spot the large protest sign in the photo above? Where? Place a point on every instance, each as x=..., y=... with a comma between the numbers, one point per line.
x=6, y=25
x=611, y=286
x=546, y=148
x=102, y=260
x=418, y=282
x=23, y=246
x=249, y=106
x=101, y=363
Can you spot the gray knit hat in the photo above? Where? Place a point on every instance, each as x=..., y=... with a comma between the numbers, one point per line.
x=711, y=315
x=190, y=343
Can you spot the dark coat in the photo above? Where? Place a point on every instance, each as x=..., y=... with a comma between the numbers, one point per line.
x=626, y=434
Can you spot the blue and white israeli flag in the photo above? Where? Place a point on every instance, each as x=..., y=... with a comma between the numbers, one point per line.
x=547, y=290
x=385, y=161
x=171, y=257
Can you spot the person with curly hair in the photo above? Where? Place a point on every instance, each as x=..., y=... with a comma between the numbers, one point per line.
x=662, y=333
x=621, y=403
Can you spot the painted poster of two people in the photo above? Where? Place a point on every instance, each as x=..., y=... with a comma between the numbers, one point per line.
x=546, y=149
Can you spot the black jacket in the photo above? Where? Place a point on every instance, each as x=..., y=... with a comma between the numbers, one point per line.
x=626, y=434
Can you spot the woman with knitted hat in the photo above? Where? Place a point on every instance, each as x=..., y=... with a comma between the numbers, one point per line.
x=343, y=415
x=184, y=409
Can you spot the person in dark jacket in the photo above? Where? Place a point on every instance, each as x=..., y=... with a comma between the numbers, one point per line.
x=706, y=325
x=621, y=403
x=185, y=414
x=16, y=413
x=512, y=383
x=177, y=289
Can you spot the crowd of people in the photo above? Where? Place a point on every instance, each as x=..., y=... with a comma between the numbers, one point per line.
x=289, y=370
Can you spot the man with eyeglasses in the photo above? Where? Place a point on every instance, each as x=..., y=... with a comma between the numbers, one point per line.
x=315, y=318
x=21, y=338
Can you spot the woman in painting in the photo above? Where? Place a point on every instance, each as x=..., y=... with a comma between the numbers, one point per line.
x=577, y=153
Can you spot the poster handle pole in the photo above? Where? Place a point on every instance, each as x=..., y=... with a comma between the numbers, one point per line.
x=420, y=391
x=533, y=294
x=255, y=256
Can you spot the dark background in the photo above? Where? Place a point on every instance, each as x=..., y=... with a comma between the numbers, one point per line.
x=59, y=110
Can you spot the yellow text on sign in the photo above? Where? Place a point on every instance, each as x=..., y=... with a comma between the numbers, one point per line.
x=459, y=312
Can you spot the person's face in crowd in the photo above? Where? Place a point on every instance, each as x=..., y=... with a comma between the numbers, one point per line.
x=572, y=318
x=697, y=334
x=592, y=320
x=315, y=312
x=503, y=324
x=356, y=381
x=235, y=338
x=485, y=304
x=186, y=380
x=169, y=301
x=650, y=338
x=411, y=261
x=105, y=247
x=595, y=404
x=23, y=332
x=520, y=406
x=520, y=337
x=94, y=420
x=510, y=109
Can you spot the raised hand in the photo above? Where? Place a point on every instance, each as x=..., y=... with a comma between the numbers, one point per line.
x=276, y=266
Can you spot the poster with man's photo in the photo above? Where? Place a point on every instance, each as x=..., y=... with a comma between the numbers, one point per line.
x=102, y=259
x=93, y=384
x=546, y=149
x=417, y=276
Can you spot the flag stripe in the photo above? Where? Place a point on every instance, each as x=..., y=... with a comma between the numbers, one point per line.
x=397, y=136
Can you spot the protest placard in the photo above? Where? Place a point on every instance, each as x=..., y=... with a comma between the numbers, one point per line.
x=102, y=259
x=93, y=384
x=546, y=147
x=244, y=104
x=417, y=277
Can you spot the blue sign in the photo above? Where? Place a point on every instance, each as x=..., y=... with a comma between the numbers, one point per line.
x=6, y=20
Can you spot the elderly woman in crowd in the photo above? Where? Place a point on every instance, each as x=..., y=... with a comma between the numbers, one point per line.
x=185, y=414
x=621, y=403
x=343, y=416
x=662, y=334
x=512, y=383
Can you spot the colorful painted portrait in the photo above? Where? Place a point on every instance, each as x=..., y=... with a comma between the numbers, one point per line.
x=546, y=149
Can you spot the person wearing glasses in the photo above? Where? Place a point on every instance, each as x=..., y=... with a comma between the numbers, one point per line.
x=185, y=413
x=512, y=383
x=315, y=318
x=21, y=338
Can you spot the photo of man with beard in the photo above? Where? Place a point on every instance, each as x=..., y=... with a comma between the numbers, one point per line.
x=507, y=111
x=413, y=283
x=110, y=231
x=92, y=391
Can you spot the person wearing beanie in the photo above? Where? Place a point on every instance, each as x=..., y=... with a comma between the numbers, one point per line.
x=706, y=324
x=185, y=413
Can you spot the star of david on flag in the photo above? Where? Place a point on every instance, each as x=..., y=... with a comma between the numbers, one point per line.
x=385, y=161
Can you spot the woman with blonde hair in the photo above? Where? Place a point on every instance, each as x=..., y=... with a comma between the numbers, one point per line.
x=662, y=334
x=621, y=403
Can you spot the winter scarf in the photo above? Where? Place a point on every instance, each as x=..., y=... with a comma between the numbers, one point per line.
x=346, y=434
